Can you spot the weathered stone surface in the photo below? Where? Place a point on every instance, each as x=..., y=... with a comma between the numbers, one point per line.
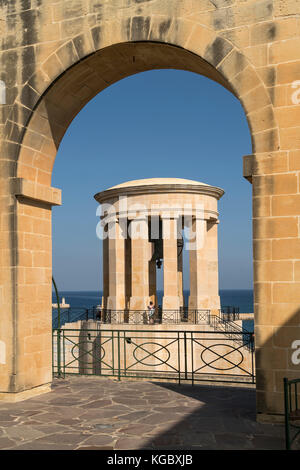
x=251, y=47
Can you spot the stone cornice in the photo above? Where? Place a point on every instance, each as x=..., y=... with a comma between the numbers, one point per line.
x=40, y=193
x=159, y=189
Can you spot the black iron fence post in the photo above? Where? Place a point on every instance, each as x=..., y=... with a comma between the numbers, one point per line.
x=58, y=329
x=286, y=414
x=185, y=355
x=119, y=361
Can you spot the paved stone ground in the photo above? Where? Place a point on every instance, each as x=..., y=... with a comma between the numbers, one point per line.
x=99, y=413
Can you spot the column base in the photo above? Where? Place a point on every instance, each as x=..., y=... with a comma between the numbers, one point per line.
x=171, y=302
x=8, y=397
x=138, y=303
x=116, y=302
x=171, y=309
x=205, y=302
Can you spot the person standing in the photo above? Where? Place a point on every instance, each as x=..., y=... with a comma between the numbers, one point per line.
x=151, y=312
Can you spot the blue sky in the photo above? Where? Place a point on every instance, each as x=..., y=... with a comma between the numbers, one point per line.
x=162, y=123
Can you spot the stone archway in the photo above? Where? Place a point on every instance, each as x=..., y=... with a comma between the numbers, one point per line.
x=62, y=76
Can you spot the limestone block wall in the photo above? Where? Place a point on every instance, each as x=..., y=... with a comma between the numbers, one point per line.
x=55, y=56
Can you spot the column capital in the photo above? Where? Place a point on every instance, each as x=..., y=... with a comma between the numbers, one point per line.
x=138, y=218
x=199, y=216
x=169, y=216
x=113, y=220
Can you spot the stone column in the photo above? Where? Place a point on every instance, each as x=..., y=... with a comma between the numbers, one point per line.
x=171, y=299
x=204, y=283
x=25, y=288
x=212, y=266
x=198, y=265
x=140, y=257
x=116, y=257
x=105, y=267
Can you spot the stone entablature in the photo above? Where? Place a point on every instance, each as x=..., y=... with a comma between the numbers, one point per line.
x=160, y=197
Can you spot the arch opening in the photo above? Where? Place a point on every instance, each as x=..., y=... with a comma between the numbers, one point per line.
x=74, y=88
x=94, y=135
x=59, y=105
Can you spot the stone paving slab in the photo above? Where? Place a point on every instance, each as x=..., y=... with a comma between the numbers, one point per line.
x=100, y=413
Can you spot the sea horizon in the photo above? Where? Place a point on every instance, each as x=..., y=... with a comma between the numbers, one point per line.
x=240, y=298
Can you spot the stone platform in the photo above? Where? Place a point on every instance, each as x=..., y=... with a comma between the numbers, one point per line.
x=100, y=413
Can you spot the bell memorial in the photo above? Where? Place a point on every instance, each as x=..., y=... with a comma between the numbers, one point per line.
x=142, y=228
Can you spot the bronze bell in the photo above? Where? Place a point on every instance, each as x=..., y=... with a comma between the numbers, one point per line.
x=158, y=254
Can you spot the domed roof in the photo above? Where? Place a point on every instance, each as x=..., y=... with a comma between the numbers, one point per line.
x=151, y=181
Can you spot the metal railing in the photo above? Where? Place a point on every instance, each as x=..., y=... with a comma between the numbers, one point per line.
x=230, y=312
x=163, y=355
x=292, y=411
x=70, y=315
x=184, y=315
x=230, y=329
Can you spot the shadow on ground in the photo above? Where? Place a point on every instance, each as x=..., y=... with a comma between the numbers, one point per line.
x=219, y=418
x=85, y=412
